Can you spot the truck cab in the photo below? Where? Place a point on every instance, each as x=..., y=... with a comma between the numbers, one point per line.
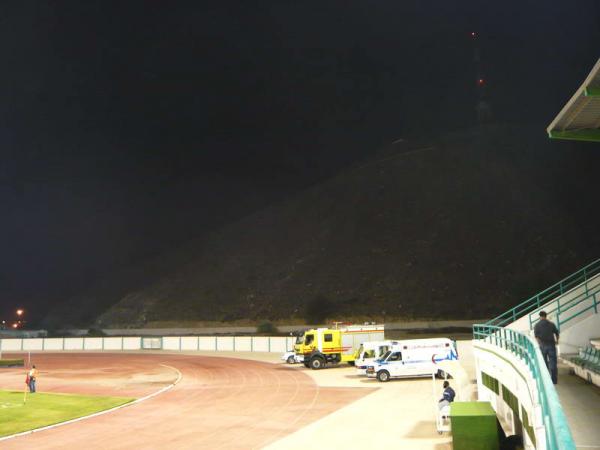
x=322, y=346
x=413, y=358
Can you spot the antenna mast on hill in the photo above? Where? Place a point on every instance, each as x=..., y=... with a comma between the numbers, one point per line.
x=482, y=106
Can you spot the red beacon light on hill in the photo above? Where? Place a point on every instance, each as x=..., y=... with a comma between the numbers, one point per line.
x=473, y=34
x=480, y=82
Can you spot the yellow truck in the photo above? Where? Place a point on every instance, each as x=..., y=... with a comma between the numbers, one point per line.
x=321, y=346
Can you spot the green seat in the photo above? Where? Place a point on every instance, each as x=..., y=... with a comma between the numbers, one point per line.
x=593, y=363
x=590, y=356
x=583, y=357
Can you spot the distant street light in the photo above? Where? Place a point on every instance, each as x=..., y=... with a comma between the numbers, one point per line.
x=20, y=318
x=20, y=323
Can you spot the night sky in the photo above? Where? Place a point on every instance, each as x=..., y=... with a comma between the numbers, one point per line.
x=127, y=128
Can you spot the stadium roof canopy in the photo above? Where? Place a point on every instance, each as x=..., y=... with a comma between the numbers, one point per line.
x=580, y=118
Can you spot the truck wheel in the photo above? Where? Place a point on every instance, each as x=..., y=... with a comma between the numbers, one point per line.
x=317, y=363
x=290, y=359
x=383, y=376
x=306, y=364
x=351, y=363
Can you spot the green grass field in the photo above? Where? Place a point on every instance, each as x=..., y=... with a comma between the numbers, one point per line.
x=48, y=409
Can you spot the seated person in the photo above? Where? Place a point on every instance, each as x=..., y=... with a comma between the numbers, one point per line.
x=447, y=396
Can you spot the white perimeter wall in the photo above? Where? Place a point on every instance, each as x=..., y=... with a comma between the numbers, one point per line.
x=275, y=344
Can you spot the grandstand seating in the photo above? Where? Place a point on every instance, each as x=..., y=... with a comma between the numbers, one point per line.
x=586, y=364
x=588, y=357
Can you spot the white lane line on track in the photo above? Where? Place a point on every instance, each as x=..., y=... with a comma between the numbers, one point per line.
x=291, y=400
x=106, y=411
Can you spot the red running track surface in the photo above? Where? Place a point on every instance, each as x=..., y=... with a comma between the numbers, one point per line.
x=220, y=403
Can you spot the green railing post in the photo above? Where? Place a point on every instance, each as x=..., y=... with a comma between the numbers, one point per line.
x=586, y=287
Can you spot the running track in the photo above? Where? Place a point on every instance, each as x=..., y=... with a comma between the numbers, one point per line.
x=220, y=403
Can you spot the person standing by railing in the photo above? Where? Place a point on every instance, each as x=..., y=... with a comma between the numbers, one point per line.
x=545, y=333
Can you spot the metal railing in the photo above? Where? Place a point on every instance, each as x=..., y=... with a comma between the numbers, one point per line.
x=537, y=301
x=591, y=296
x=557, y=432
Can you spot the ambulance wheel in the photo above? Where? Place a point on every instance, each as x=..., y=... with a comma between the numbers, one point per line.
x=317, y=363
x=290, y=360
x=383, y=376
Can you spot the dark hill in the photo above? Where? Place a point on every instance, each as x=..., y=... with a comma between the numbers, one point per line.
x=464, y=227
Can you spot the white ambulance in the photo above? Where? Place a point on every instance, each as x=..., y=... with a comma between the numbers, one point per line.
x=368, y=352
x=413, y=358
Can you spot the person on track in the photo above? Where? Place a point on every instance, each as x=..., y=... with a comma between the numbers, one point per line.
x=31, y=379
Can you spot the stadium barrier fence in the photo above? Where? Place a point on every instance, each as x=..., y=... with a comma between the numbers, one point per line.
x=273, y=344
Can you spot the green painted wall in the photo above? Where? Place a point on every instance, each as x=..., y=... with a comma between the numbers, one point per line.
x=474, y=426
